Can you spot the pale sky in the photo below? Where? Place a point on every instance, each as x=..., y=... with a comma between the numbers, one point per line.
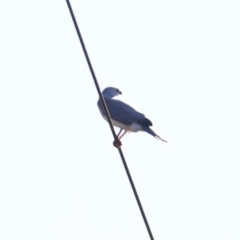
x=175, y=61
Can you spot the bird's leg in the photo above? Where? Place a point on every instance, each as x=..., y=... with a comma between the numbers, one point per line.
x=119, y=132
x=122, y=135
x=117, y=143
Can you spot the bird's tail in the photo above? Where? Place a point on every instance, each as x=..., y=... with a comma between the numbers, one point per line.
x=150, y=131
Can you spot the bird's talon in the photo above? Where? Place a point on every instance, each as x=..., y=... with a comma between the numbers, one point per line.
x=117, y=143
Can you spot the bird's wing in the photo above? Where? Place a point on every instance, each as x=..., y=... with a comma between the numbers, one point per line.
x=121, y=112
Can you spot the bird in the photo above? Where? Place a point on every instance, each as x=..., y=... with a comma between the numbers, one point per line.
x=124, y=116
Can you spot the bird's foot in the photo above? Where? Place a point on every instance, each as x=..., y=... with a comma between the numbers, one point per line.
x=117, y=143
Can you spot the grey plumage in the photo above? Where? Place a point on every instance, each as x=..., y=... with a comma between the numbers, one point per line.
x=120, y=111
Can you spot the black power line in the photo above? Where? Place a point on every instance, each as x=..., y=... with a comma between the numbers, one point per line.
x=109, y=120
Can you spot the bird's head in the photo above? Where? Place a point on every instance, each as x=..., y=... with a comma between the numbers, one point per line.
x=111, y=92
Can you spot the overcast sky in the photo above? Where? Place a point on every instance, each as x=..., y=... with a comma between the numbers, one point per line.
x=175, y=61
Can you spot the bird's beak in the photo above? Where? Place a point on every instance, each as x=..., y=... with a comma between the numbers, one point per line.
x=120, y=92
